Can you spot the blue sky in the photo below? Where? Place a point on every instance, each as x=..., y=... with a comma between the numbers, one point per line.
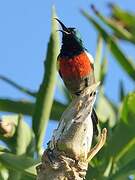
x=24, y=34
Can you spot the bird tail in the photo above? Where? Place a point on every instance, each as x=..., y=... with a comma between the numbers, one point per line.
x=95, y=122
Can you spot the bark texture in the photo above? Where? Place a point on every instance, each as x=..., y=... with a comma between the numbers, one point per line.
x=69, y=150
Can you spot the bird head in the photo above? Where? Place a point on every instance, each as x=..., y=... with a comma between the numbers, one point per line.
x=70, y=36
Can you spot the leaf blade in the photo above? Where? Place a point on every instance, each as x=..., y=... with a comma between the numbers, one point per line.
x=127, y=170
x=116, y=27
x=46, y=91
x=114, y=48
x=17, y=86
x=23, y=164
x=27, y=107
x=123, y=138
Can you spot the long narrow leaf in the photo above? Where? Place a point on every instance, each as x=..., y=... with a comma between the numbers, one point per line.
x=126, y=17
x=104, y=69
x=122, y=143
x=64, y=90
x=23, y=136
x=46, y=91
x=106, y=109
x=17, y=86
x=127, y=170
x=115, y=26
x=23, y=164
x=98, y=58
x=27, y=108
x=114, y=48
x=121, y=91
x=19, y=142
x=100, y=66
x=17, y=106
x=3, y=173
x=94, y=173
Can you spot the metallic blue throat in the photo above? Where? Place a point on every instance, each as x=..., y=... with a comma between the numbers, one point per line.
x=71, y=48
x=65, y=52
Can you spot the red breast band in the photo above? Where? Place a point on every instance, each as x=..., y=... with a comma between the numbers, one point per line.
x=77, y=67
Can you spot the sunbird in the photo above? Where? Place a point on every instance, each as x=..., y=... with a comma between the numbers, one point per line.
x=76, y=65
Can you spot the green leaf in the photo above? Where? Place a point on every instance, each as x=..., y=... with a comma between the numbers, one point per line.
x=100, y=65
x=120, y=146
x=122, y=143
x=17, y=106
x=20, y=163
x=3, y=173
x=116, y=27
x=121, y=58
x=57, y=109
x=17, y=86
x=19, y=135
x=14, y=175
x=27, y=108
x=98, y=57
x=121, y=91
x=93, y=173
x=106, y=110
x=17, y=175
x=127, y=170
x=103, y=70
x=128, y=107
x=3, y=149
x=125, y=18
x=64, y=90
x=25, y=177
x=24, y=137
x=45, y=94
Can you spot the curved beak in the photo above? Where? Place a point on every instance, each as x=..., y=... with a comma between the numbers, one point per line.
x=64, y=28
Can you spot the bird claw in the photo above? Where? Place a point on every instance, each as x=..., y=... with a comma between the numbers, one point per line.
x=98, y=146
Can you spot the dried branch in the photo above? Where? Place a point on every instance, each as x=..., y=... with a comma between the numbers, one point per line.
x=69, y=150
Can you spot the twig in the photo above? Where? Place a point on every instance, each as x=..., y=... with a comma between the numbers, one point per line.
x=68, y=151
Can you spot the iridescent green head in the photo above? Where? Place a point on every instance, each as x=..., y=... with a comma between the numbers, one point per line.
x=72, y=43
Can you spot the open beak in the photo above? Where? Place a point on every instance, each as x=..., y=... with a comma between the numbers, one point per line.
x=64, y=28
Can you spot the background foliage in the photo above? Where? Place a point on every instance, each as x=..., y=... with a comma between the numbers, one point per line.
x=22, y=145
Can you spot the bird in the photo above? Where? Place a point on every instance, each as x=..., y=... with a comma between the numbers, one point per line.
x=76, y=65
